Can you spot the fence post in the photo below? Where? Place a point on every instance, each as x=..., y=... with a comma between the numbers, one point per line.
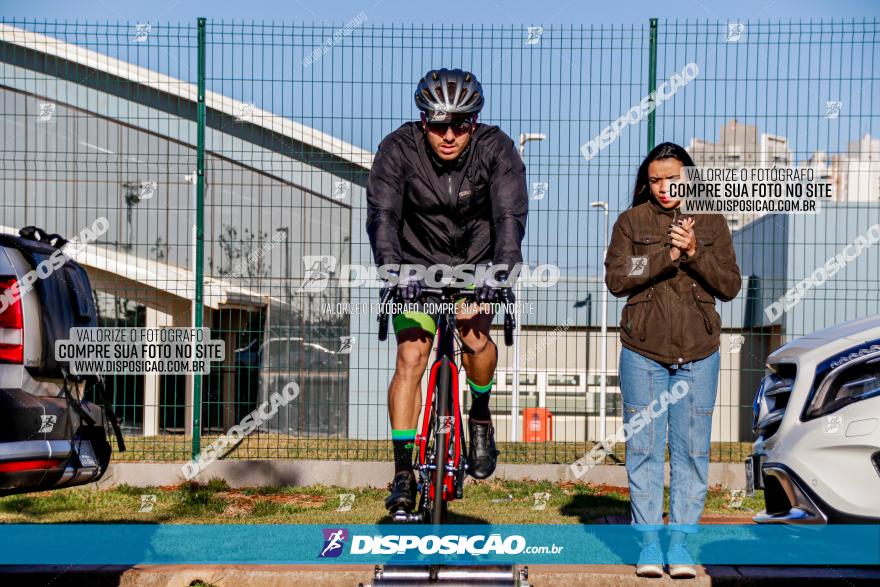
x=200, y=232
x=652, y=79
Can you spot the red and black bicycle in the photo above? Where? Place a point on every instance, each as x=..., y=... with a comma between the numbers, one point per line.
x=441, y=458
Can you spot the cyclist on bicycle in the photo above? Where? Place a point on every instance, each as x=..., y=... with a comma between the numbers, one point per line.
x=445, y=190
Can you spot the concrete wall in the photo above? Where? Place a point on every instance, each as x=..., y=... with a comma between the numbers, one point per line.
x=376, y=474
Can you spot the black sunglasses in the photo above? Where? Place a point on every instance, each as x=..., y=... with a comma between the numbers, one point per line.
x=459, y=127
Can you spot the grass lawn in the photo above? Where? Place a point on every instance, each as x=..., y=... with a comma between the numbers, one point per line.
x=490, y=501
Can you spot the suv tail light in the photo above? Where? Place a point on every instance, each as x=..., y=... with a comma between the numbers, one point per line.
x=18, y=466
x=11, y=322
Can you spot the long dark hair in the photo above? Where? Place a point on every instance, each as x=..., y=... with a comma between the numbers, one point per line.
x=642, y=190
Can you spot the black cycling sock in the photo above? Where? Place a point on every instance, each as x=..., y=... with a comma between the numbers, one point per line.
x=480, y=400
x=403, y=441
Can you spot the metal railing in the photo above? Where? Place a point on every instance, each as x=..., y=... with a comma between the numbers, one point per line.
x=232, y=160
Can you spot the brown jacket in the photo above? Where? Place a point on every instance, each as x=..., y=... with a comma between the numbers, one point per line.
x=670, y=312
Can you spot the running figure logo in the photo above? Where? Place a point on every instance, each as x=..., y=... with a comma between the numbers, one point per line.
x=539, y=189
x=244, y=111
x=833, y=424
x=47, y=111
x=318, y=271
x=637, y=266
x=334, y=541
x=47, y=423
x=340, y=189
x=541, y=500
x=142, y=32
x=736, y=342
x=445, y=424
x=533, y=35
x=833, y=108
x=735, y=31
x=148, y=502
x=346, y=344
x=346, y=500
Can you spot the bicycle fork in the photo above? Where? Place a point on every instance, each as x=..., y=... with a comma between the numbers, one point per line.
x=446, y=420
x=445, y=417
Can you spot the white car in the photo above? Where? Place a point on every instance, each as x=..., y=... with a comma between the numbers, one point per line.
x=817, y=417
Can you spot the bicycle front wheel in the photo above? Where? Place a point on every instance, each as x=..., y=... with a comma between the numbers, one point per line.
x=444, y=428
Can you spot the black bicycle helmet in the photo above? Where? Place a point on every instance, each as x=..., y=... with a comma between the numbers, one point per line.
x=443, y=93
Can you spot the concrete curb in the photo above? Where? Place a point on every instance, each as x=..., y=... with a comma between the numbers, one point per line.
x=374, y=474
x=367, y=474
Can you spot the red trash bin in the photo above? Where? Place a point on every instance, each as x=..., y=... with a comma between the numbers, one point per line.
x=537, y=425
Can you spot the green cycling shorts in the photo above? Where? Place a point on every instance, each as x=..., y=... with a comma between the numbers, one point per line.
x=419, y=319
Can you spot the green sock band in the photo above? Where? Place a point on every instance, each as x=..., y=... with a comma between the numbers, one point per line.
x=409, y=434
x=480, y=388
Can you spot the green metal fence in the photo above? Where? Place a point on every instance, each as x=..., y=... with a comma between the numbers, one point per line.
x=231, y=159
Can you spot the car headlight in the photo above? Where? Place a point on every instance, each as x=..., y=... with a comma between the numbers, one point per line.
x=850, y=377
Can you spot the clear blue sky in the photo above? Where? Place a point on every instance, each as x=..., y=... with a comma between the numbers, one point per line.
x=363, y=88
x=450, y=11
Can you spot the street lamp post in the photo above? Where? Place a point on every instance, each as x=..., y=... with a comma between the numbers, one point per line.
x=524, y=138
x=286, y=232
x=603, y=346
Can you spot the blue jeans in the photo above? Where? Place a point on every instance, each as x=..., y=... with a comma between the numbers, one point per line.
x=680, y=398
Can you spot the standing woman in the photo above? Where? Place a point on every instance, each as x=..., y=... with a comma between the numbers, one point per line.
x=671, y=268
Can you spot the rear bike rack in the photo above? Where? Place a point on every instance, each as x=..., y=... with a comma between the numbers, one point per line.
x=449, y=576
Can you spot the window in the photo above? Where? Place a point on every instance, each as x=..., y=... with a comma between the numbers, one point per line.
x=564, y=379
x=524, y=379
x=595, y=379
x=583, y=405
x=568, y=404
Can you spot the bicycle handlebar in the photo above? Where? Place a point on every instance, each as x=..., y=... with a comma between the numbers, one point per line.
x=503, y=295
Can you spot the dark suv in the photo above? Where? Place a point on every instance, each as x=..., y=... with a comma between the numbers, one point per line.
x=50, y=436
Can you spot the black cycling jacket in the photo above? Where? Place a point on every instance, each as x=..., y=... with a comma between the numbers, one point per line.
x=422, y=212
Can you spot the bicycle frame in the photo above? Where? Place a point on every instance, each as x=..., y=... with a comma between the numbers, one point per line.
x=442, y=414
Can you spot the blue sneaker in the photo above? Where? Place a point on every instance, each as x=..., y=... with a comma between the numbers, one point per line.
x=650, y=561
x=681, y=564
